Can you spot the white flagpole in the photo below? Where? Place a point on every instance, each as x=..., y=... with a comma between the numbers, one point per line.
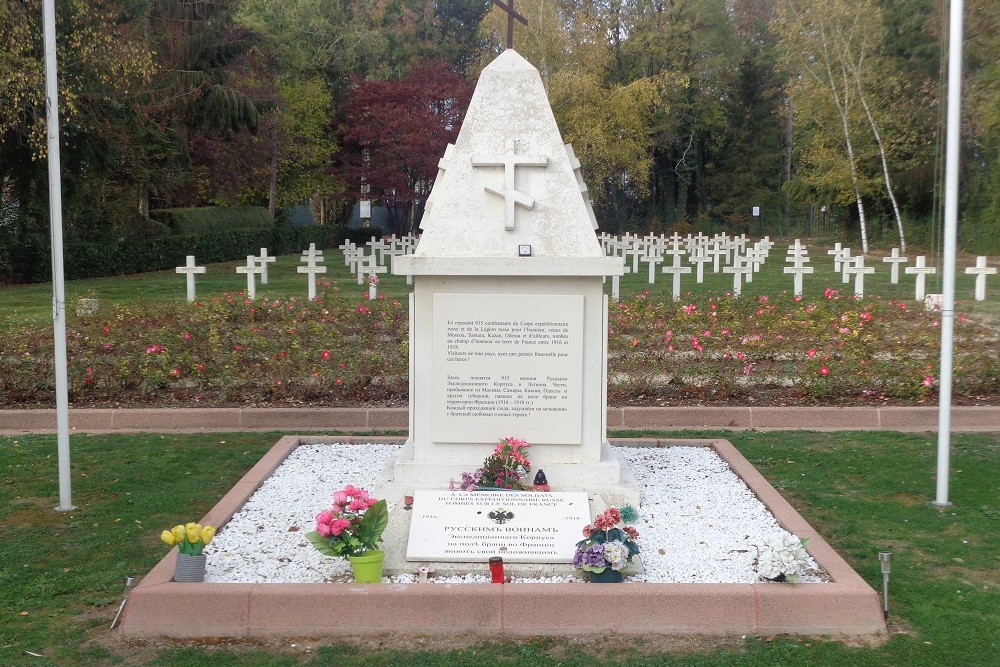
x=58, y=282
x=950, y=233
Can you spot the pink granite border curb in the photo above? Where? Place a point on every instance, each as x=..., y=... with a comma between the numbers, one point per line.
x=912, y=419
x=846, y=608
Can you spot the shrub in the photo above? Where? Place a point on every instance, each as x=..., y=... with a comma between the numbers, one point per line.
x=210, y=219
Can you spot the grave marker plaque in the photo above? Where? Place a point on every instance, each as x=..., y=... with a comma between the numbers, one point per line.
x=519, y=526
x=503, y=359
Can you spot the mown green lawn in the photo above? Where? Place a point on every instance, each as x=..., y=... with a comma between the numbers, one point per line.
x=61, y=575
x=32, y=304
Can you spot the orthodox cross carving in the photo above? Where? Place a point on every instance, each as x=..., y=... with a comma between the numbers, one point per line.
x=510, y=161
x=512, y=15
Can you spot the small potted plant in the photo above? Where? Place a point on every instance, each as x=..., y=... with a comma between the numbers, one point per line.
x=607, y=548
x=190, y=539
x=352, y=529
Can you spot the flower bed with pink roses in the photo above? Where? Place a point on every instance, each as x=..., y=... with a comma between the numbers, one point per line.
x=341, y=350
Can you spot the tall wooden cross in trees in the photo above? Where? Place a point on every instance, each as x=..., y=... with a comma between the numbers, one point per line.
x=512, y=15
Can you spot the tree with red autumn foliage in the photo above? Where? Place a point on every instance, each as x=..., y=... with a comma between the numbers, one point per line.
x=394, y=134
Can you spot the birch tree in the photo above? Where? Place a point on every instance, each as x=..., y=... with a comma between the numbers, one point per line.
x=812, y=31
x=860, y=63
x=833, y=46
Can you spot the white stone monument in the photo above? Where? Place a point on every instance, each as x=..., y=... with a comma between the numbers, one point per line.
x=508, y=314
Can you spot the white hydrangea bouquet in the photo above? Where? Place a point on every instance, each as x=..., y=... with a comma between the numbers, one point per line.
x=781, y=557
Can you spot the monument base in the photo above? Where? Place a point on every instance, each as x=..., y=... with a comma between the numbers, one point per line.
x=610, y=478
x=845, y=608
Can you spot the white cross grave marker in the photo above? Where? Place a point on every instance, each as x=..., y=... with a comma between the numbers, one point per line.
x=731, y=250
x=352, y=257
x=652, y=258
x=920, y=269
x=373, y=281
x=190, y=269
x=344, y=247
x=312, y=253
x=311, y=269
x=365, y=263
x=845, y=262
x=252, y=268
x=616, y=285
x=798, y=255
x=739, y=268
x=896, y=259
x=380, y=247
x=717, y=250
x=676, y=270
x=838, y=256
x=858, y=268
x=980, y=270
x=264, y=260
x=700, y=258
x=635, y=250
x=797, y=250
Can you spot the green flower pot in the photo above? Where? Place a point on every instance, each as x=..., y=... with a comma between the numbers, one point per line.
x=608, y=576
x=368, y=567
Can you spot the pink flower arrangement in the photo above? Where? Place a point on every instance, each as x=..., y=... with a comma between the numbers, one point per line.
x=605, y=544
x=352, y=526
x=505, y=468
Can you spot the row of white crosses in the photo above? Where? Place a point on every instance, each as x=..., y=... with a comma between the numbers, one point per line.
x=368, y=266
x=699, y=250
x=741, y=259
x=257, y=266
x=845, y=264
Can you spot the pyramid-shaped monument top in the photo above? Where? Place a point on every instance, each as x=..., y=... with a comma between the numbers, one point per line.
x=508, y=181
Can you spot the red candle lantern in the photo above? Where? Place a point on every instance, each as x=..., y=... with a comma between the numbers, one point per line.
x=496, y=570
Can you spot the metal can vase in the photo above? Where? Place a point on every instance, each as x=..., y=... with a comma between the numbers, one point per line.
x=190, y=569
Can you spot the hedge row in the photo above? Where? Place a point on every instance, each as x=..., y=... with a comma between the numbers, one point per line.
x=212, y=219
x=30, y=260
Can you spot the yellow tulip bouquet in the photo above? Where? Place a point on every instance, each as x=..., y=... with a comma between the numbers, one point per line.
x=190, y=538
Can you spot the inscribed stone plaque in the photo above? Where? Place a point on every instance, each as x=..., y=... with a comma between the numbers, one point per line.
x=519, y=526
x=507, y=364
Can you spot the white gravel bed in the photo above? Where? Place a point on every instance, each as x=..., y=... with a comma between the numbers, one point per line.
x=698, y=523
